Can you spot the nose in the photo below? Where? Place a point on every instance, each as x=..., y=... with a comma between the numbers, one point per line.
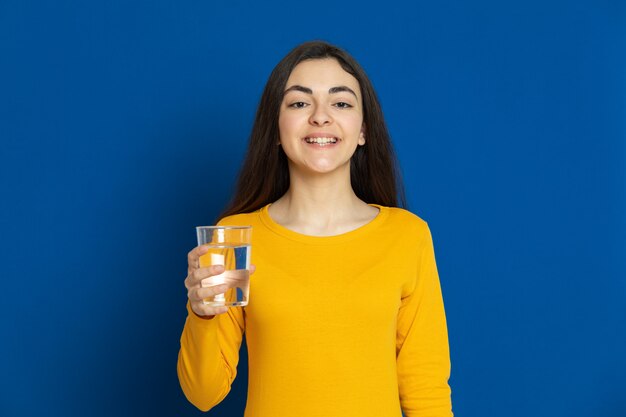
x=320, y=116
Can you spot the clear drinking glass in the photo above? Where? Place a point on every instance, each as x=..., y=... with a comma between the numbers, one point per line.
x=229, y=246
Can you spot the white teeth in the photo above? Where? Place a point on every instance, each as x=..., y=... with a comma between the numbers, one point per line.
x=320, y=141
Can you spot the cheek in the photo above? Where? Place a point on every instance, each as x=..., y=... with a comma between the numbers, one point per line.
x=286, y=124
x=357, y=120
x=355, y=126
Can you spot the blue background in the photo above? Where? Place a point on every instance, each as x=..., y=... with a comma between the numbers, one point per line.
x=510, y=124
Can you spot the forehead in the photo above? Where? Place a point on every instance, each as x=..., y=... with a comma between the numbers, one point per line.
x=321, y=74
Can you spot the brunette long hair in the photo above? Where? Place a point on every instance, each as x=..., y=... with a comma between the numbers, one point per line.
x=264, y=175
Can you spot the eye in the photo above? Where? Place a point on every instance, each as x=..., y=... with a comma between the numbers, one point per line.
x=298, y=105
x=342, y=105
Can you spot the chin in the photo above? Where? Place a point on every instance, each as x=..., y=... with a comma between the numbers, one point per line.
x=321, y=169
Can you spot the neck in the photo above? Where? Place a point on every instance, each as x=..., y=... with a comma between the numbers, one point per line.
x=322, y=204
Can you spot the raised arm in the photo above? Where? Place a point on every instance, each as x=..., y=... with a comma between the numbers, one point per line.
x=210, y=342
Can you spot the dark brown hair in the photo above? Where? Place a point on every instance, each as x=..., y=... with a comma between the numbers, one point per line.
x=264, y=176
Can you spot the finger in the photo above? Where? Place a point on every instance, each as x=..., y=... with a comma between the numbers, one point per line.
x=207, y=311
x=202, y=273
x=252, y=269
x=194, y=277
x=191, y=282
x=194, y=255
x=200, y=293
x=203, y=293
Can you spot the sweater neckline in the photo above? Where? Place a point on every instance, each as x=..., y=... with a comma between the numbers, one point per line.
x=277, y=228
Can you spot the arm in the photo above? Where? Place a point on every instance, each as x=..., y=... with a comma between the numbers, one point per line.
x=208, y=356
x=422, y=352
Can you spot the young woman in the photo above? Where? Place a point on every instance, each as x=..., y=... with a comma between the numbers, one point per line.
x=346, y=315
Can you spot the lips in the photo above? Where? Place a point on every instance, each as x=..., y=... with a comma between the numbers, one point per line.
x=321, y=140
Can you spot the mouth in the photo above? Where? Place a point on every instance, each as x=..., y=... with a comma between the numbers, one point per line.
x=321, y=141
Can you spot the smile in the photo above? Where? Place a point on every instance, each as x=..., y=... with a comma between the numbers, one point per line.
x=321, y=141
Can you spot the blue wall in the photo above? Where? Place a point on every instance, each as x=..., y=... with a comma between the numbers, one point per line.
x=509, y=120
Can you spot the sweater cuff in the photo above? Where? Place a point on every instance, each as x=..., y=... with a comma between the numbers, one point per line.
x=199, y=321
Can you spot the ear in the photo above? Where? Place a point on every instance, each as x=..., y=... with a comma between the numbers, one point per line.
x=361, y=141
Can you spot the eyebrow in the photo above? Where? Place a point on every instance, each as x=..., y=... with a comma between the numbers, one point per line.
x=332, y=90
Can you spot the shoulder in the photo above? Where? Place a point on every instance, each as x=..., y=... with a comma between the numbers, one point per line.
x=240, y=219
x=405, y=217
x=407, y=223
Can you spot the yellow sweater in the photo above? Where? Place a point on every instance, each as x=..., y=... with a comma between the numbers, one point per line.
x=346, y=325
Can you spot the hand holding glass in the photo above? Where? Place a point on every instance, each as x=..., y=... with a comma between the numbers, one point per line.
x=228, y=246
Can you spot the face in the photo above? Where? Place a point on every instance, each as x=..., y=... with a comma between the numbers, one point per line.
x=321, y=117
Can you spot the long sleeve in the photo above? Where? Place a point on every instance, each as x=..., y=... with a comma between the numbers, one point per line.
x=208, y=356
x=344, y=325
x=422, y=352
